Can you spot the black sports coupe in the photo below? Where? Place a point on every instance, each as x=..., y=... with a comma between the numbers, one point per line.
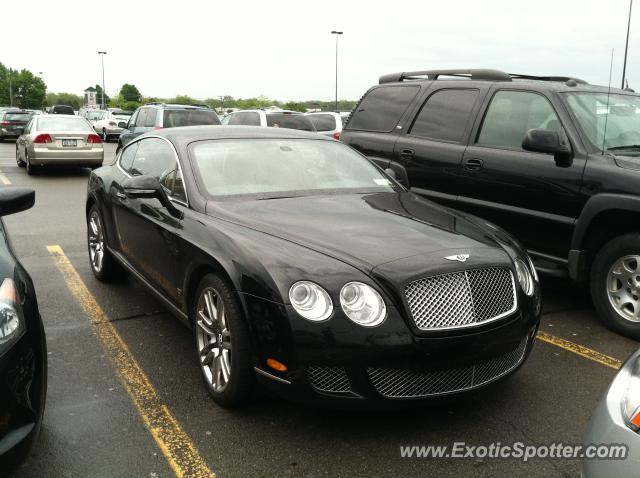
x=300, y=264
x=23, y=350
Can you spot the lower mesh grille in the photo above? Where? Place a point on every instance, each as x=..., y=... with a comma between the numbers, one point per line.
x=328, y=379
x=394, y=383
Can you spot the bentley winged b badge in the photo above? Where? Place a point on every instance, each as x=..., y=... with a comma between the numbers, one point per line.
x=458, y=257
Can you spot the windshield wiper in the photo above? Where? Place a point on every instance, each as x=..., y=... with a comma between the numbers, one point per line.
x=628, y=146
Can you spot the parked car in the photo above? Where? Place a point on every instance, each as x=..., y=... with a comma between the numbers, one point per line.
x=62, y=110
x=528, y=154
x=616, y=420
x=274, y=246
x=58, y=140
x=156, y=116
x=106, y=124
x=273, y=118
x=327, y=123
x=23, y=349
x=12, y=123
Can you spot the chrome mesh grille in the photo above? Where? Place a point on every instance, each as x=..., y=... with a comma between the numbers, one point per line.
x=328, y=379
x=394, y=383
x=461, y=299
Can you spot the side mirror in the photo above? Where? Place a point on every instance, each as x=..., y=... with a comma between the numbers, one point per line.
x=123, y=125
x=549, y=142
x=16, y=199
x=147, y=187
x=397, y=172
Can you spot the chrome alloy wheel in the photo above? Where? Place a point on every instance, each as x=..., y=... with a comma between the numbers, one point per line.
x=96, y=241
x=213, y=339
x=623, y=287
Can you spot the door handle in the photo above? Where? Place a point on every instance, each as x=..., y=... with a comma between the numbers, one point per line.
x=473, y=164
x=407, y=155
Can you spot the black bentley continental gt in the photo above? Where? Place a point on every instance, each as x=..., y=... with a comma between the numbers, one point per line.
x=300, y=264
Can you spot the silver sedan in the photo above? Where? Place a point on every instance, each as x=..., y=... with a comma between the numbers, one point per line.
x=58, y=140
x=617, y=421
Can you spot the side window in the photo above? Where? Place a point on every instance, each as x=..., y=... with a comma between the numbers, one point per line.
x=126, y=158
x=154, y=157
x=172, y=182
x=511, y=114
x=148, y=118
x=445, y=115
x=133, y=120
x=27, y=128
x=247, y=118
x=382, y=108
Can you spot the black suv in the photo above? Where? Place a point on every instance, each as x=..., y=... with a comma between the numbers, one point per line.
x=160, y=115
x=553, y=160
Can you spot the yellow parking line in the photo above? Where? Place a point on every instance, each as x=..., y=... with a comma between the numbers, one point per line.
x=580, y=350
x=3, y=179
x=181, y=453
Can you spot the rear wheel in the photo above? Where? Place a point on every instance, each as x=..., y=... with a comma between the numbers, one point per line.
x=615, y=284
x=222, y=343
x=31, y=169
x=18, y=160
x=103, y=265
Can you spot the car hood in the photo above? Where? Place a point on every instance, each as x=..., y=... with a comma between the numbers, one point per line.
x=365, y=230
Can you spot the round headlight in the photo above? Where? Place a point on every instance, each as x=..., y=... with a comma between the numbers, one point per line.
x=362, y=304
x=310, y=301
x=524, y=277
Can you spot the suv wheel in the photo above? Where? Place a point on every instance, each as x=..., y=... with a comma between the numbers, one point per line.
x=615, y=284
x=221, y=340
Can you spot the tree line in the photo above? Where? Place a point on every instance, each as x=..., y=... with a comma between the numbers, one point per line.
x=23, y=89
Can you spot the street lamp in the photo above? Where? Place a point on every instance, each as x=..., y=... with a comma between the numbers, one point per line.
x=102, y=54
x=626, y=47
x=337, y=34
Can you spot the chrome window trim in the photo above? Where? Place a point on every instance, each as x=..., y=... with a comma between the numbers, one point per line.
x=175, y=153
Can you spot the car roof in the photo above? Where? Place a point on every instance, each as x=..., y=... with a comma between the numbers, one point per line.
x=189, y=134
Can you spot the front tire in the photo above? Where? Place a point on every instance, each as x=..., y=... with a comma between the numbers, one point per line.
x=222, y=343
x=615, y=285
x=103, y=265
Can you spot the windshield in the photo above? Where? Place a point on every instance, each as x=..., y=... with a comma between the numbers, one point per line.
x=173, y=118
x=622, y=121
x=323, y=122
x=51, y=123
x=279, y=167
x=17, y=116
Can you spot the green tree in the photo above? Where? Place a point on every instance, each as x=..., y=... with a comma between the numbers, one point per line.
x=130, y=93
x=99, y=96
x=183, y=100
x=70, y=99
x=29, y=91
x=295, y=106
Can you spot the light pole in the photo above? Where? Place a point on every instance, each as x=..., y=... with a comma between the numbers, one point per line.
x=626, y=47
x=102, y=54
x=10, y=90
x=337, y=34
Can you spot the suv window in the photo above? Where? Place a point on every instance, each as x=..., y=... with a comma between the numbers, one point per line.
x=134, y=118
x=382, y=108
x=154, y=157
x=147, y=118
x=511, y=114
x=247, y=118
x=323, y=122
x=289, y=120
x=174, y=118
x=445, y=115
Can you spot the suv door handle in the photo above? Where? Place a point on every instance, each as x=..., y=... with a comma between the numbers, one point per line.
x=121, y=195
x=407, y=155
x=473, y=164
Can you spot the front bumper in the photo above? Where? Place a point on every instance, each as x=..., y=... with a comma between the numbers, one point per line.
x=607, y=426
x=341, y=362
x=86, y=157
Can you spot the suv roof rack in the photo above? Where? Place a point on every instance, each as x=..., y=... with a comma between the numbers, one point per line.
x=472, y=74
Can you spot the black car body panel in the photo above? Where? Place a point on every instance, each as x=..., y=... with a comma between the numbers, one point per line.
x=262, y=247
x=23, y=363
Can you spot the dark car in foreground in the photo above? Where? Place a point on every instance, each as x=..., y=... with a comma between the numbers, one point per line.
x=553, y=160
x=155, y=116
x=23, y=356
x=12, y=123
x=299, y=262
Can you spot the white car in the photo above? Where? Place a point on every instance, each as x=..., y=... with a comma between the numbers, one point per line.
x=105, y=123
x=327, y=123
x=276, y=118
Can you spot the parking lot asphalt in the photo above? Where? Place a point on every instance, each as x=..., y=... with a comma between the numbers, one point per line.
x=94, y=428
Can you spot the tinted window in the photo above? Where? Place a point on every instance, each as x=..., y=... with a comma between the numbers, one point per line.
x=134, y=118
x=126, y=159
x=147, y=118
x=154, y=157
x=511, y=114
x=63, y=110
x=173, y=118
x=289, y=120
x=247, y=118
x=382, y=108
x=445, y=115
x=17, y=116
x=323, y=122
x=172, y=182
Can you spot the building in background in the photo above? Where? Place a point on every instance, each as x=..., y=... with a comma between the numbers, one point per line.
x=90, y=100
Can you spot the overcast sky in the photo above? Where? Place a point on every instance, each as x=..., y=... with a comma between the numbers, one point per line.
x=284, y=49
